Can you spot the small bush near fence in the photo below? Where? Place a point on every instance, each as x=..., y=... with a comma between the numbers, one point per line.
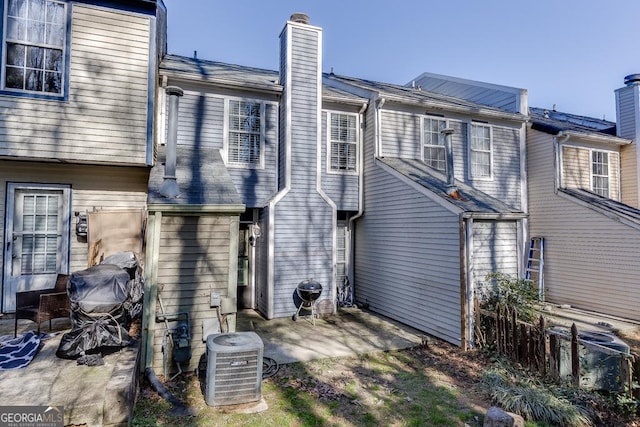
x=505, y=324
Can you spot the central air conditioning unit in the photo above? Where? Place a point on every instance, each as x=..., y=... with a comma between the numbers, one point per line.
x=234, y=368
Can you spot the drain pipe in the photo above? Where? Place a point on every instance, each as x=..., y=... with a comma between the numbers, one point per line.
x=169, y=187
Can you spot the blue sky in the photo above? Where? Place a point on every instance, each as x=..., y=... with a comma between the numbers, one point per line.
x=571, y=53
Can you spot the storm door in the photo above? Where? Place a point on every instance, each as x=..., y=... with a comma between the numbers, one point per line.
x=36, y=246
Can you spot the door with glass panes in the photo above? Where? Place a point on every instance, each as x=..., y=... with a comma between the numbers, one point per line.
x=36, y=235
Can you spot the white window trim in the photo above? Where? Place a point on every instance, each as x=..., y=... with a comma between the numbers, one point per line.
x=330, y=171
x=608, y=153
x=422, y=143
x=12, y=187
x=225, y=149
x=470, y=151
x=65, y=55
x=562, y=181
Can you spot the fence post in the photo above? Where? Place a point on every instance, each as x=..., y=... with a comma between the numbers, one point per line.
x=543, y=347
x=514, y=335
x=499, y=329
x=524, y=353
x=575, y=357
x=554, y=361
x=635, y=376
x=626, y=374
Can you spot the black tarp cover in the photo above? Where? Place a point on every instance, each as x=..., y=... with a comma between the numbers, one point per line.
x=104, y=300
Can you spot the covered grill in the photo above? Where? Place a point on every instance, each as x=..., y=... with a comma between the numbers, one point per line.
x=308, y=291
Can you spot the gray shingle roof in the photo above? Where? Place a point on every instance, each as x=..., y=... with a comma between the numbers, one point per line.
x=553, y=122
x=248, y=77
x=219, y=72
x=605, y=205
x=202, y=179
x=428, y=99
x=472, y=200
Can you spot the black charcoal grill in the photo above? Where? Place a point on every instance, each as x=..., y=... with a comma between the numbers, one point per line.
x=308, y=291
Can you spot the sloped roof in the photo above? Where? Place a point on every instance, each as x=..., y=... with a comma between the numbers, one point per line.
x=220, y=72
x=424, y=98
x=202, y=178
x=556, y=122
x=606, y=206
x=224, y=74
x=472, y=200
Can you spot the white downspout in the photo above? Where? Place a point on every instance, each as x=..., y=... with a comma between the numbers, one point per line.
x=350, y=254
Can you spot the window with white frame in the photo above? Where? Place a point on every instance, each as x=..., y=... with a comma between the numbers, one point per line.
x=343, y=142
x=433, y=143
x=480, y=151
x=600, y=173
x=34, y=46
x=245, y=132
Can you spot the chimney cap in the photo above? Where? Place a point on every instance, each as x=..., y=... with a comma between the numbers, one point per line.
x=174, y=90
x=301, y=18
x=632, y=79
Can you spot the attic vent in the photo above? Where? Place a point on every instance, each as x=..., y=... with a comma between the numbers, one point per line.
x=632, y=79
x=301, y=18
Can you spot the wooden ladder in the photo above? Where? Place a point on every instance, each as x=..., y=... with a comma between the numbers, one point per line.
x=535, y=265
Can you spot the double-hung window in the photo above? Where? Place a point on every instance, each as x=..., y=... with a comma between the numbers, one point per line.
x=480, y=151
x=433, y=143
x=600, y=173
x=34, y=46
x=246, y=133
x=343, y=142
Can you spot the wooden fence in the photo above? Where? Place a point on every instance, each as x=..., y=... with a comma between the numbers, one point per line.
x=539, y=348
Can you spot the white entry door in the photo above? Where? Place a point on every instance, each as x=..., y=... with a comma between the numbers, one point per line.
x=36, y=246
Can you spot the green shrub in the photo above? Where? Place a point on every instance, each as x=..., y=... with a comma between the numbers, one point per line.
x=535, y=401
x=503, y=289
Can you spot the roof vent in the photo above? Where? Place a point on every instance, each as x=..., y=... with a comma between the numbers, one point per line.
x=632, y=79
x=301, y=18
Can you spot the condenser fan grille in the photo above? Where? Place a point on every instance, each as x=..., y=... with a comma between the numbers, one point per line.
x=234, y=372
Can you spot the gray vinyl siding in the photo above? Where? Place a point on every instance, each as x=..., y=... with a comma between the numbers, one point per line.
x=495, y=250
x=92, y=188
x=105, y=117
x=401, y=138
x=407, y=262
x=262, y=263
x=591, y=260
x=493, y=97
x=201, y=124
x=193, y=261
x=342, y=188
x=627, y=99
x=505, y=183
x=282, y=117
x=303, y=222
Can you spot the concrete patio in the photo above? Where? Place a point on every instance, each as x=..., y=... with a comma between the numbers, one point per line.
x=105, y=395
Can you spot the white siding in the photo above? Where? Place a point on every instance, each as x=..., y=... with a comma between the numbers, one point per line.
x=495, y=250
x=105, y=118
x=92, y=188
x=591, y=260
